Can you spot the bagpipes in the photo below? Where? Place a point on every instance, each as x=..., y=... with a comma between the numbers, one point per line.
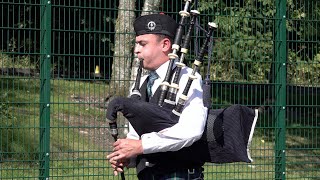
x=228, y=132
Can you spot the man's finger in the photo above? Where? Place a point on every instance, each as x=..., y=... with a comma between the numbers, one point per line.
x=120, y=169
x=117, y=143
x=112, y=161
x=117, y=168
x=110, y=156
x=116, y=148
x=119, y=157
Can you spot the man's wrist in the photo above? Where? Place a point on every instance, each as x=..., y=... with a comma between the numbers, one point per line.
x=140, y=148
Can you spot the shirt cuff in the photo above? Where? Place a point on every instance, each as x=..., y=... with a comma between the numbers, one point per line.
x=148, y=143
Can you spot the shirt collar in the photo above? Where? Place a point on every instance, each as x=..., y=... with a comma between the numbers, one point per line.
x=162, y=70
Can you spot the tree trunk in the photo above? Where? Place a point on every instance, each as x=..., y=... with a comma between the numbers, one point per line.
x=150, y=7
x=123, y=48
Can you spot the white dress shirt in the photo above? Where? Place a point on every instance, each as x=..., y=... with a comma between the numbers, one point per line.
x=191, y=122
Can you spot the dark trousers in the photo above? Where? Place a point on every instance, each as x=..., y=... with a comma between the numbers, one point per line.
x=181, y=174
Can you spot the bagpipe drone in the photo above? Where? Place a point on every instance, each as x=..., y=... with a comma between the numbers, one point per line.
x=228, y=132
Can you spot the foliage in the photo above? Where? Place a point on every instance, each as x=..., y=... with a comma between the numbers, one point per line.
x=303, y=49
x=23, y=61
x=81, y=37
x=244, y=49
x=304, y=72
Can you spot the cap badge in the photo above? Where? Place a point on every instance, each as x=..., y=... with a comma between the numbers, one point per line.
x=151, y=25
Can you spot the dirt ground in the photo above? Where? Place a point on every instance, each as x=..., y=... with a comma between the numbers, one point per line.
x=95, y=126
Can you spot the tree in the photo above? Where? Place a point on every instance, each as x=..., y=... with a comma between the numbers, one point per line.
x=243, y=50
x=123, y=47
x=124, y=44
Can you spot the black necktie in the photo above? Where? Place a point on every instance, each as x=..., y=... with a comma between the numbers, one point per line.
x=152, y=77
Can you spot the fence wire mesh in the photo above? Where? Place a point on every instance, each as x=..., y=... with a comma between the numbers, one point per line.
x=61, y=63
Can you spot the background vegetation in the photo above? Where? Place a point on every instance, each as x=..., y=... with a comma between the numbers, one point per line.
x=243, y=51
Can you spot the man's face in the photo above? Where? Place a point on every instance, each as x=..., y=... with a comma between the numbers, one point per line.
x=150, y=48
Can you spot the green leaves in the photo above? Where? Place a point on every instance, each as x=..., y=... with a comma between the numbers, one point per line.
x=244, y=49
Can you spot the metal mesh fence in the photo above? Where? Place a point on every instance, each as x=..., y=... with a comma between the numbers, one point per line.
x=58, y=69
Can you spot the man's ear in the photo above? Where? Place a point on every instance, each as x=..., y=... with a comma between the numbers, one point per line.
x=166, y=44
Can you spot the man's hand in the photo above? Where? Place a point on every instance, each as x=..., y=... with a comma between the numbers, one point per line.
x=125, y=149
x=118, y=165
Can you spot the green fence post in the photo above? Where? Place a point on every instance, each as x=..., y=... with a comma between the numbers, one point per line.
x=45, y=50
x=280, y=89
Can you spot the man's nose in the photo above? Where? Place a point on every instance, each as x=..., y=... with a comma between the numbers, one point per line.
x=137, y=49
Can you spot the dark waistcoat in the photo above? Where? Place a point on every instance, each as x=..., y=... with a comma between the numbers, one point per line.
x=166, y=162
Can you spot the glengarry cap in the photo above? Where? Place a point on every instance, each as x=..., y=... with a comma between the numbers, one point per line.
x=155, y=24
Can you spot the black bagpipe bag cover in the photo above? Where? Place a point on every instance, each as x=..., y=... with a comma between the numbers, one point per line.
x=143, y=116
x=228, y=134
x=226, y=138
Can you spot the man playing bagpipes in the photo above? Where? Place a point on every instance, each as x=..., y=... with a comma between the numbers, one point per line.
x=154, y=38
x=172, y=133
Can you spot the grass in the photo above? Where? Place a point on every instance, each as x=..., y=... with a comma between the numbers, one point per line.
x=79, y=137
x=16, y=61
x=70, y=117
